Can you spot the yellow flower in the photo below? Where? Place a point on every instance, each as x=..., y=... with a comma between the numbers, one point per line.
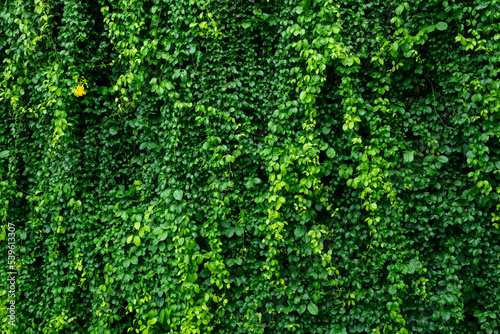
x=79, y=91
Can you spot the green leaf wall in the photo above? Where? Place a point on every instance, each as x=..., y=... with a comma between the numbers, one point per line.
x=312, y=166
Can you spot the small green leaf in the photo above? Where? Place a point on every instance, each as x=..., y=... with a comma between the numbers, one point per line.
x=330, y=153
x=408, y=156
x=312, y=308
x=178, y=194
x=257, y=12
x=163, y=235
x=137, y=240
x=230, y=232
x=303, y=95
x=239, y=230
x=4, y=154
x=441, y=26
x=113, y=130
x=129, y=239
x=414, y=266
x=162, y=316
x=443, y=159
x=246, y=25
x=299, y=232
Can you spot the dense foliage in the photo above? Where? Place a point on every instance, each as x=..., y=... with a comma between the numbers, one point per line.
x=183, y=166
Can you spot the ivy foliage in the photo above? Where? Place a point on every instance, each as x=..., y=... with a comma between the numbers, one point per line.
x=251, y=166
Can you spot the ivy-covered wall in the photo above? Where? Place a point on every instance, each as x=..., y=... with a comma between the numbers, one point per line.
x=315, y=166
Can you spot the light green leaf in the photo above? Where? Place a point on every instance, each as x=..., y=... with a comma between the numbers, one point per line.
x=178, y=194
x=246, y=25
x=312, y=308
x=230, y=232
x=441, y=26
x=239, y=230
x=137, y=240
x=4, y=154
x=162, y=316
x=414, y=266
x=303, y=95
x=443, y=159
x=163, y=235
x=330, y=153
x=299, y=232
x=408, y=156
